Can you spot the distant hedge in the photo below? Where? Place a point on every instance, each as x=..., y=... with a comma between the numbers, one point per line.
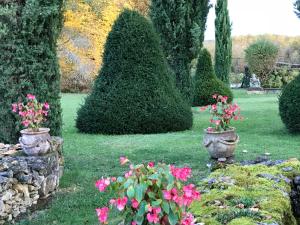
x=289, y=106
x=134, y=92
x=206, y=84
x=28, y=34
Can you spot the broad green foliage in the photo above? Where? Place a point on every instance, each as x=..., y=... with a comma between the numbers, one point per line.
x=261, y=57
x=181, y=25
x=289, y=106
x=242, y=195
x=28, y=34
x=134, y=92
x=223, y=52
x=206, y=84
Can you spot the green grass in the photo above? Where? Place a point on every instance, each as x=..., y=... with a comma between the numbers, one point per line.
x=88, y=157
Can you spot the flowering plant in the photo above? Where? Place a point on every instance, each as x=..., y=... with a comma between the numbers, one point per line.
x=222, y=113
x=32, y=113
x=150, y=194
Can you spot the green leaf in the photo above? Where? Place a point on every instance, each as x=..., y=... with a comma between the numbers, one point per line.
x=140, y=192
x=128, y=183
x=166, y=207
x=120, y=179
x=173, y=219
x=154, y=177
x=130, y=192
x=151, y=195
x=142, y=208
x=156, y=203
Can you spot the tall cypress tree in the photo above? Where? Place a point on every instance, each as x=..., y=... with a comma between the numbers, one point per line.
x=297, y=8
x=223, y=52
x=28, y=60
x=181, y=25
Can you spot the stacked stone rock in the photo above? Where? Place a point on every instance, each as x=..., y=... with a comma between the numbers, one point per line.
x=26, y=179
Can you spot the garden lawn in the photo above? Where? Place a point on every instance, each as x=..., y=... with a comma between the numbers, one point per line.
x=89, y=157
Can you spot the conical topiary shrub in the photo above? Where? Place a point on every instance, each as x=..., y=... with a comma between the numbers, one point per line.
x=134, y=92
x=289, y=106
x=206, y=84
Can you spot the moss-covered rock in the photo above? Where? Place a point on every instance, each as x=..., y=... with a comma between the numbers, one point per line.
x=248, y=195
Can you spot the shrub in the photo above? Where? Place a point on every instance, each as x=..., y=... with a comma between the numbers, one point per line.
x=289, y=106
x=28, y=33
x=134, y=92
x=206, y=82
x=280, y=77
x=261, y=57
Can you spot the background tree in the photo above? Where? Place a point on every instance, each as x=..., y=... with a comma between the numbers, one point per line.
x=261, y=57
x=134, y=92
x=297, y=8
x=206, y=82
x=181, y=25
x=28, y=34
x=223, y=51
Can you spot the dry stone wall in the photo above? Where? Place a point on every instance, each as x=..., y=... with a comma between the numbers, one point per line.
x=26, y=179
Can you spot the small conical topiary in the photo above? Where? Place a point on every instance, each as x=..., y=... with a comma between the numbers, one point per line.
x=289, y=106
x=134, y=92
x=206, y=82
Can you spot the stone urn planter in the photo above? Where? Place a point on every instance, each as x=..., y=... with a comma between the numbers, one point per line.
x=220, y=144
x=35, y=143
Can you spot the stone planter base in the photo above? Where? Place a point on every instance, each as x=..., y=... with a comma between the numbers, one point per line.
x=26, y=179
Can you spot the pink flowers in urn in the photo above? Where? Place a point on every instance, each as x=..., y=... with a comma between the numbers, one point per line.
x=150, y=194
x=222, y=113
x=32, y=113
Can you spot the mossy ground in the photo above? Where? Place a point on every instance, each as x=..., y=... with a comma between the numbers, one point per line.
x=241, y=195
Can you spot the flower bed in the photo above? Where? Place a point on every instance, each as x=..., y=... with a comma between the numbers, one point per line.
x=249, y=195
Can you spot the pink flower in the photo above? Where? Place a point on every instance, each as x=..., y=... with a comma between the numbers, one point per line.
x=217, y=122
x=113, y=179
x=151, y=164
x=123, y=160
x=133, y=223
x=167, y=194
x=181, y=173
x=210, y=129
x=121, y=203
x=214, y=107
x=112, y=201
x=152, y=218
x=102, y=184
x=46, y=105
x=102, y=214
x=25, y=123
x=134, y=203
x=188, y=219
x=215, y=96
x=128, y=174
x=14, y=107
x=30, y=96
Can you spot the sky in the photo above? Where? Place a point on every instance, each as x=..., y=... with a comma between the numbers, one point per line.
x=258, y=17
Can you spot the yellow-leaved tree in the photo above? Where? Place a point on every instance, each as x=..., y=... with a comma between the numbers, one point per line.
x=83, y=38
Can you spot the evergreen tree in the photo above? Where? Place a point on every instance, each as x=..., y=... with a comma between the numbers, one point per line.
x=28, y=34
x=206, y=82
x=181, y=25
x=289, y=105
x=297, y=8
x=223, y=52
x=134, y=92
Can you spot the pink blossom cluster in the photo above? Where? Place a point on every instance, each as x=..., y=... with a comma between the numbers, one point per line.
x=222, y=113
x=182, y=195
x=181, y=173
x=32, y=113
x=184, y=198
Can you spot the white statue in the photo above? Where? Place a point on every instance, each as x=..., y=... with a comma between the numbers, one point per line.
x=255, y=82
